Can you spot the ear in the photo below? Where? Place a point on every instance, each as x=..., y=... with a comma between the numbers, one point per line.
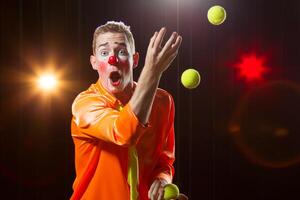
x=136, y=57
x=93, y=61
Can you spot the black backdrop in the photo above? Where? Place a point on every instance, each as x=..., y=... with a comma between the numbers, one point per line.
x=36, y=150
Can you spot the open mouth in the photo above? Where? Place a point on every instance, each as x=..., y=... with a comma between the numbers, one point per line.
x=115, y=78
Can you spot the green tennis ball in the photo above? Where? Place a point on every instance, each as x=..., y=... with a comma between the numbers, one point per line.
x=171, y=191
x=190, y=78
x=216, y=15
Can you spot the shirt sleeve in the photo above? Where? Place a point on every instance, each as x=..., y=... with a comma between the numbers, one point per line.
x=94, y=119
x=164, y=169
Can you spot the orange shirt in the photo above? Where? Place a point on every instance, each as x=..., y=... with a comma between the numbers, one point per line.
x=102, y=136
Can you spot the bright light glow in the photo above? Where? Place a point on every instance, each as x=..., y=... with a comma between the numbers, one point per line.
x=47, y=81
x=251, y=67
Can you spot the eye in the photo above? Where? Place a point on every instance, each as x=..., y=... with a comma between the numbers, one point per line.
x=123, y=52
x=104, y=53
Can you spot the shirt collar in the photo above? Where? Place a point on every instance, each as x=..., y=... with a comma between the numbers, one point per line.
x=112, y=99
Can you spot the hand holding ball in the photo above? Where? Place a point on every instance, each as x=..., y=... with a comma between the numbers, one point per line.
x=171, y=191
x=190, y=78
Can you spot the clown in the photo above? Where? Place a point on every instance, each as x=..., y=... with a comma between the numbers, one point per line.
x=123, y=131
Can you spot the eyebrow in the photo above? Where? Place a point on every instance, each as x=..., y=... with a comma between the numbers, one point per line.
x=106, y=43
x=121, y=43
x=103, y=44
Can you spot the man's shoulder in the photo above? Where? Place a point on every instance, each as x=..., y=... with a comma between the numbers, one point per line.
x=162, y=93
x=92, y=89
x=163, y=96
x=89, y=96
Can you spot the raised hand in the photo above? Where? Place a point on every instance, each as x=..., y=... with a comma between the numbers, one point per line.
x=159, y=58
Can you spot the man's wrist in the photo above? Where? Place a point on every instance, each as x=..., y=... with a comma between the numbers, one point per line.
x=150, y=77
x=152, y=70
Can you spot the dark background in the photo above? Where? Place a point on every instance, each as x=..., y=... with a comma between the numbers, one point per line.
x=36, y=149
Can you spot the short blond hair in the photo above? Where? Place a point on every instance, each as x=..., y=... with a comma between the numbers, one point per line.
x=114, y=27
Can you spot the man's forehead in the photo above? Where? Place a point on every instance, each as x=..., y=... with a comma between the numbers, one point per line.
x=110, y=37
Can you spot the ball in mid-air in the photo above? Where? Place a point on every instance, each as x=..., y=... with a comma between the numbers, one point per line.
x=171, y=191
x=190, y=78
x=216, y=15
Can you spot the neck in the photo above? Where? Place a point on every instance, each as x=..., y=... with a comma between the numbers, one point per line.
x=126, y=94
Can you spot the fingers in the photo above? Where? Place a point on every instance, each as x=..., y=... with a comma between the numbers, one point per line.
x=159, y=38
x=177, y=43
x=182, y=197
x=155, y=190
x=150, y=192
x=161, y=193
x=161, y=58
x=174, y=49
x=170, y=42
x=152, y=39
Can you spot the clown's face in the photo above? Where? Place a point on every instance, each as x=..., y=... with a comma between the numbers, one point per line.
x=114, y=61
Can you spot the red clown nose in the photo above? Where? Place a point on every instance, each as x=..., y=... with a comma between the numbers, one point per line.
x=112, y=60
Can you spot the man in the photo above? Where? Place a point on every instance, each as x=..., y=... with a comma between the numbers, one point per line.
x=123, y=132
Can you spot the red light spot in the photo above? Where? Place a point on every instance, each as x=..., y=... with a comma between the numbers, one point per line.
x=251, y=68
